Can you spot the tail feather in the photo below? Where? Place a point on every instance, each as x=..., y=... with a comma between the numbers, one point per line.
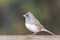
x=48, y=31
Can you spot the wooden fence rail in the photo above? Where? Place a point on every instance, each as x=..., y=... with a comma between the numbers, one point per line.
x=29, y=37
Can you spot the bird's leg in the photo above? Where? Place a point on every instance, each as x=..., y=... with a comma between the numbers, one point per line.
x=31, y=35
x=34, y=33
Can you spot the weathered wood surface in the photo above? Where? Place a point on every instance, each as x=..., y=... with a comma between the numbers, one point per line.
x=29, y=37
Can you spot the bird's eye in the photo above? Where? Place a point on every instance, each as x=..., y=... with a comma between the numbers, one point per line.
x=26, y=15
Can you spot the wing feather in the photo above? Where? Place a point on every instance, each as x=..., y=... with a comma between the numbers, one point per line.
x=36, y=22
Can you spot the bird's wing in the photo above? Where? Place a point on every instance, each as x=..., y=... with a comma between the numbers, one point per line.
x=36, y=22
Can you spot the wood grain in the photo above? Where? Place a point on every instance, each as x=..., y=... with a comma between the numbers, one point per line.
x=29, y=37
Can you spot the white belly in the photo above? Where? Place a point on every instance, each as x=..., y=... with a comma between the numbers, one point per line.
x=32, y=27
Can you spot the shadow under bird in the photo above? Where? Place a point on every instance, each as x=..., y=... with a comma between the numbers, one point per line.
x=33, y=25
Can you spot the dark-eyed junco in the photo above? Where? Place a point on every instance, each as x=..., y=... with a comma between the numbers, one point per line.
x=33, y=24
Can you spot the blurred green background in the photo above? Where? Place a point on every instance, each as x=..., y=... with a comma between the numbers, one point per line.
x=12, y=22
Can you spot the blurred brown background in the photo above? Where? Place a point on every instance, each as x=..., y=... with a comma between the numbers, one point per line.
x=11, y=11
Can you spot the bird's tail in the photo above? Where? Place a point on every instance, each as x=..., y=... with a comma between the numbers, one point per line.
x=48, y=31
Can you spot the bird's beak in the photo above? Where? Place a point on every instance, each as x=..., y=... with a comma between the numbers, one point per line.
x=24, y=15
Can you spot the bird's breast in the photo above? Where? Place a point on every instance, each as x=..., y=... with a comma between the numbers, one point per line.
x=32, y=27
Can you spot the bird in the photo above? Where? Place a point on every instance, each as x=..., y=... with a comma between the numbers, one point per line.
x=33, y=24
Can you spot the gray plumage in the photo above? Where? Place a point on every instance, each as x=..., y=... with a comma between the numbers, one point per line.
x=33, y=24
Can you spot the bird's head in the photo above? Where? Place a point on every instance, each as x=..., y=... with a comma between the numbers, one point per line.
x=28, y=14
